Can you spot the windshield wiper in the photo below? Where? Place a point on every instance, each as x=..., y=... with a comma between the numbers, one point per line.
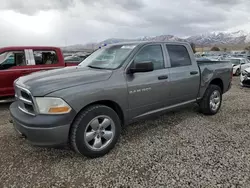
x=93, y=67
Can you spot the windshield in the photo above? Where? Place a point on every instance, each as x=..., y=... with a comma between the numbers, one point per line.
x=109, y=57
x=235, y=61
x=6, y=58
x=71, y=58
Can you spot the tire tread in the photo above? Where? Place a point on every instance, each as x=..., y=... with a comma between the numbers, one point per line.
x=76, y=124
x=204, y=103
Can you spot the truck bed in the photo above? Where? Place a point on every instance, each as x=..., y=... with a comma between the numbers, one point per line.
x=211, y=62
x=214, y=69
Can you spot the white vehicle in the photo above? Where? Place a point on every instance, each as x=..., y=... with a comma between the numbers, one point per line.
x=245, y=77
x=239, y=64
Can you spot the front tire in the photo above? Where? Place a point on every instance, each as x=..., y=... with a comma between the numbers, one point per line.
x=211, y=101
x=237, y=73
x=95, y=131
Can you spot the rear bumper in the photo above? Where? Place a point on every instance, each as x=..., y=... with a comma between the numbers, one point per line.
x=42, y=130
x=229, y=87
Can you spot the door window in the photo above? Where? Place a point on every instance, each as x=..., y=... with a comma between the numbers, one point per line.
x=45, y=57
x=179, y=55
x=151, y=53
x=11, y=59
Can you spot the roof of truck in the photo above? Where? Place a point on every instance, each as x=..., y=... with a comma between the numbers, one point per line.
x=9, y=48
x=146, y=42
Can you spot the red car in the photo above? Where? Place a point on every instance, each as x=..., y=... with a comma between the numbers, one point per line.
x=23, y=60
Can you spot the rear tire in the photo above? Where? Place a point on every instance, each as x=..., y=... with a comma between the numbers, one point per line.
x=95, y=131
x=211, y=101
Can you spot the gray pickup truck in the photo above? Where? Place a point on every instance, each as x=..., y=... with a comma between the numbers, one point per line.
x=86, y=106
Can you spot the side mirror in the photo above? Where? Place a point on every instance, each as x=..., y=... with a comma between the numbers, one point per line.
x=145, y=66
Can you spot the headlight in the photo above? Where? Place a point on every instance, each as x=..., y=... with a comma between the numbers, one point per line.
x=244, y=73
x=52, y=105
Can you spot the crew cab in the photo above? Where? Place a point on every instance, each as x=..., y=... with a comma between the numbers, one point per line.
x=121, y=83
x=20, y=61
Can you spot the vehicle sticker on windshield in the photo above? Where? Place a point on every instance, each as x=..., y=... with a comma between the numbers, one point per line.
x=128, y=47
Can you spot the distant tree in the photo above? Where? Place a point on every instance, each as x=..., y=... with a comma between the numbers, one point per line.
x=224, y=49
x=193, y=47
x=247, y=48
x=215, y=49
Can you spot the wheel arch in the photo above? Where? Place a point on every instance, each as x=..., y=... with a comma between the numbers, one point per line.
x=112, y=104
x=218, y=82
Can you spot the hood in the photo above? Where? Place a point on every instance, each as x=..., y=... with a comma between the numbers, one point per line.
x=44, y=82
x=235, y=66
x=247, y=69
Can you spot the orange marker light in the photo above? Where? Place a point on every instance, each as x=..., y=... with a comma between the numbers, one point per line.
x=59, y=109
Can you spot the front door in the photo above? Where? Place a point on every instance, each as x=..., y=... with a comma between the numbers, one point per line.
x=184, y=75
x=12, y=66
x=146, y=91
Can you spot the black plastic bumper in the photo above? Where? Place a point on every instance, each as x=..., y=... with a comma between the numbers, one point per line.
x=42, y=130
x=246, y=83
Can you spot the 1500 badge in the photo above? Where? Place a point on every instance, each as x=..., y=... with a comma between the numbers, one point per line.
x=140, y=90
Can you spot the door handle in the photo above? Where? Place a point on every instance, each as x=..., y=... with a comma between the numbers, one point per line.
x=162, y=77
x=193, y=72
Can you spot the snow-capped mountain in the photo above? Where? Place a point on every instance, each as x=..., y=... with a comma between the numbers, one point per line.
x=213, y=38
x=207, y=39
x=238, y=37
x=145, y=38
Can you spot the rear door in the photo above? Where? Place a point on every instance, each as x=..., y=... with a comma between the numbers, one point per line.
x=12, y=65
x=184, y=76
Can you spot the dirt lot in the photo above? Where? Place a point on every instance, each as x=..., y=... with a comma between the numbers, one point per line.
x=181, y=149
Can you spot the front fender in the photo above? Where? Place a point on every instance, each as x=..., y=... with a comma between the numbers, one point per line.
x=81, y=96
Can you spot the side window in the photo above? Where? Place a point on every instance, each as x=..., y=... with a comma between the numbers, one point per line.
x=179, y=55
x=11, y=59
x=151, y=53
x=45, y=57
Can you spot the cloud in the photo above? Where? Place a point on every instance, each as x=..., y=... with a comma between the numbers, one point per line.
x=30, y=7
x=81, y=21
x=225, y=2
x=125, y=4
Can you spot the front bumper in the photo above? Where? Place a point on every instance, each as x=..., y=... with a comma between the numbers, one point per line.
x=244, y=80
x=42, y=130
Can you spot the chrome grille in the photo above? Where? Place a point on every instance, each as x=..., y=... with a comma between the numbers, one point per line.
x=25, y=100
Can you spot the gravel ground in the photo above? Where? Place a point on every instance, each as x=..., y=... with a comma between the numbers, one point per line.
x=180, y=149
